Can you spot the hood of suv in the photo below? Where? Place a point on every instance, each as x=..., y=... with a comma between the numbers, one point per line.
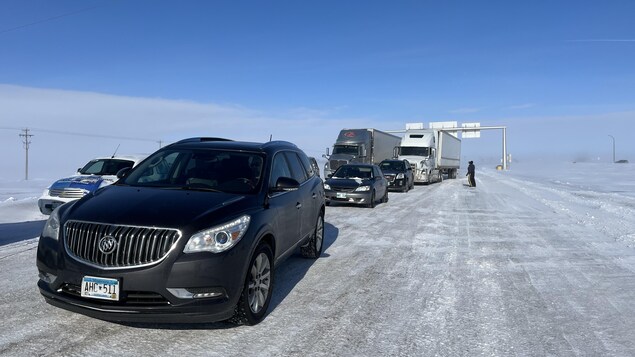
x=159, y=207
x=85, y=182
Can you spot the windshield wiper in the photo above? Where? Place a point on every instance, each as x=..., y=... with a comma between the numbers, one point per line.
x=196, y=188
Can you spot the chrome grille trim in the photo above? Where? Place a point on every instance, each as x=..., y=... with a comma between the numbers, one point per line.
x=67, y=192
x=136, y=246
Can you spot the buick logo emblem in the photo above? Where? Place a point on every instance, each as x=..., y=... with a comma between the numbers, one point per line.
x=107, y=244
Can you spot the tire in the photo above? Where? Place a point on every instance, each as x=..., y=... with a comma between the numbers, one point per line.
x=385, y=198
x=371, y=204
x=314, y=248
x=257, y=290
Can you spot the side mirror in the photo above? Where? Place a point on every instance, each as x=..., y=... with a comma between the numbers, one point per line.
x=329, y=175
x=286, y=184
x=123, y=172
x=326, y=156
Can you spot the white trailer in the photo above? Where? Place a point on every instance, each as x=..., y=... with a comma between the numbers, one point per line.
x=431, y=153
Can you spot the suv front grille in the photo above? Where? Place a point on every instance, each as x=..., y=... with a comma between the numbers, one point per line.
x=67, y=192
x=134, y=247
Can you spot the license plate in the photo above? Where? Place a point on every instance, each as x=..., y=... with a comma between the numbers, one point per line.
x=340, y=195
x=100, y=288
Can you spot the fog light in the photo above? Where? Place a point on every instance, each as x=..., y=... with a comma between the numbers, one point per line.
x=197, y=293
x=46, y=277
x=206, y=295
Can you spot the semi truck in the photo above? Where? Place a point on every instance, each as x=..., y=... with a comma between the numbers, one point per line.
x=368, y=146
x=431, y=153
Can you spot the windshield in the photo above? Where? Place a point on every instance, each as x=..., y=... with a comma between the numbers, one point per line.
x=346, y=149
x=105, y=166
x=392, y=166
x=199, y=169
x=361, y=172
x=414, y=151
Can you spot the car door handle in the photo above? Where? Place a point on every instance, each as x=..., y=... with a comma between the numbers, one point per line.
x=298, y=205
x=313, y=195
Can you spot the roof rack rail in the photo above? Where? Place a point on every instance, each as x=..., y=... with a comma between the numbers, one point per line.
x=201, y=139
x=280, y=142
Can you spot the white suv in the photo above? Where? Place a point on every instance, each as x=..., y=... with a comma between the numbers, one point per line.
x=97, y=173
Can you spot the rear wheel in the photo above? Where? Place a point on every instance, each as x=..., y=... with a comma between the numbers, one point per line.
x=256, y=295
x=314, y=248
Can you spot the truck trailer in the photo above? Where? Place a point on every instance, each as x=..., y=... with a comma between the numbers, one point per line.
x=367, y=146
x=431, y=153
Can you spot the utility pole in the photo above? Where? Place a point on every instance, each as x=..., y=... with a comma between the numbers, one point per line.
x=26, y=141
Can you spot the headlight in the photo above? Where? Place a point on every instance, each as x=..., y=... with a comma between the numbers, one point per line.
x=52, y=226
x=399, y=176
x=327, y=186
x=218, y=239
x=362, y=188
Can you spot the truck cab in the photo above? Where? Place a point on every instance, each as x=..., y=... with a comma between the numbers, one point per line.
x=363, y=146
x=419, y=148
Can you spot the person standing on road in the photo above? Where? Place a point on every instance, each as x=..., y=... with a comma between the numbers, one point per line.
x=470, y=174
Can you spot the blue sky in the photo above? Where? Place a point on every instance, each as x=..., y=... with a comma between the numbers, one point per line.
x=556, y=73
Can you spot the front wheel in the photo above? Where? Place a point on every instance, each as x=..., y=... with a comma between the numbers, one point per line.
x=371, y=204
x=314, y=248
x=256, y=295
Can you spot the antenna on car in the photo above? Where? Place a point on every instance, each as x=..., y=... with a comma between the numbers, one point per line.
x=115, y=153
x=270, y=137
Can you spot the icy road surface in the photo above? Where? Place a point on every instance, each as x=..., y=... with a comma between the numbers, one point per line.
x=519, y=266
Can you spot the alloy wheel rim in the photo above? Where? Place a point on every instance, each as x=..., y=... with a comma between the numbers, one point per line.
x=319, y=234
x=259, y=283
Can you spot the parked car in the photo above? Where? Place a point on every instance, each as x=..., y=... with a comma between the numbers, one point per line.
x=197, y=242
x=362, y=184
x=97, y=173
x=315, y=166
x=399, y=174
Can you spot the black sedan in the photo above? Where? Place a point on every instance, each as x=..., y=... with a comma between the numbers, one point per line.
x=399, y=174
x=361, y=184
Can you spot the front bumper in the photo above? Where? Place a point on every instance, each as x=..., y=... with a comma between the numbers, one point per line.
x=144, y=294
x=397, y=184
x=360, y=198
x=48, y=204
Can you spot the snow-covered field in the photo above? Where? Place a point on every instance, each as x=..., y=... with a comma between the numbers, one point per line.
x=535, y=261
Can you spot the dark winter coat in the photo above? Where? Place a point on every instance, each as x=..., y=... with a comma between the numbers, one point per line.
x=470, y=169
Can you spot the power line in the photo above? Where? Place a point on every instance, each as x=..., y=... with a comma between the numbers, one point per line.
x=94, y=135
x=50, y=19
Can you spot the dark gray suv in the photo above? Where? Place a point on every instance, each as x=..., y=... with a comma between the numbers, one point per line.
x=191, y=234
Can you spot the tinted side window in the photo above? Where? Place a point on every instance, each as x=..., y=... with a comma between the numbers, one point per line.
x=376, y=171
x=307, y=164
x=298, y=171
x=279, y=168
